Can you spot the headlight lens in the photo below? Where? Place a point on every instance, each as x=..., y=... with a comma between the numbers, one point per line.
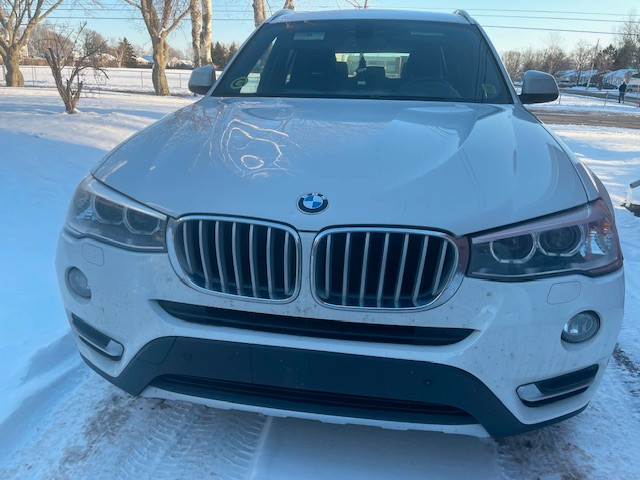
x=99, y=212
x=581, y=241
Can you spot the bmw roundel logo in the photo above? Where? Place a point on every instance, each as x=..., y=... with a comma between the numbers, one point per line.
x=312, y=203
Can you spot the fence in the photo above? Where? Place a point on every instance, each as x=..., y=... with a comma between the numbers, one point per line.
x=608, y=96
x=116, y=79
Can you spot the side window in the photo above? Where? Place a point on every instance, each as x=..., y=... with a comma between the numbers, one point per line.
x=251, y=82
x=492, y=85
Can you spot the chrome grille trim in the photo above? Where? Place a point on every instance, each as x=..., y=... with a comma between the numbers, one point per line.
x=236, y=257
x=386, y=269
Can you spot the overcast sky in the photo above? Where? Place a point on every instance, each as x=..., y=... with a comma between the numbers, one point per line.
x=510, y=25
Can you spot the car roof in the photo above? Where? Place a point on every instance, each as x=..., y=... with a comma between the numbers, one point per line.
x=284, y=16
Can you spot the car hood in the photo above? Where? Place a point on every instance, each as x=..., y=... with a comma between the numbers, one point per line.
x=460, y=168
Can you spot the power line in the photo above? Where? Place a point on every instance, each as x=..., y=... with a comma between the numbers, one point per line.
x=225, y=7
x=138, y=19
x=486, y=15
x=236, y=19
x=600, y=20
x=559, y=12
x=558, y=30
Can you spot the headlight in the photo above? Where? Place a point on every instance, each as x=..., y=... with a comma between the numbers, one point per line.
x=584, y=241
x=99, y=212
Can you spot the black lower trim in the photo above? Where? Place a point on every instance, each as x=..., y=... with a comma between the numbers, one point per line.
x=314, y=401
x=313, y=327
x=322, y=382
x=562, y=387
x=562, y=383
x=95, y=339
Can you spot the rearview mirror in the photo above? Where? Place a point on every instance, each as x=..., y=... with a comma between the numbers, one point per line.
x=538, y=87
x=202, y=79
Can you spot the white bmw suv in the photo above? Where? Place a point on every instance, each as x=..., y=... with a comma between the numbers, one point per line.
x=359, y=222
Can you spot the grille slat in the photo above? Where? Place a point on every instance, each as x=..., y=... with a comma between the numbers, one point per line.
x=420, y=273
x=238, y=257
x=403, y=263
x=237, y=266
x=327, y=269
x=345, y=269
x=380, y=268
x=253, y=261
x=204, y=254
x=185, y=236
x=287, y=280
x=441, y=258
x=219, y=259
x=383, y=271
x=269, y=264
x=365, y=264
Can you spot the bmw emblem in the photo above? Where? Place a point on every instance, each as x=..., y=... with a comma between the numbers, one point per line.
x=312, y=203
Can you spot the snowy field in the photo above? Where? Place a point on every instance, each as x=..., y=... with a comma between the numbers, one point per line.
x=117, y=79
x=59, y=420
x=580, y=104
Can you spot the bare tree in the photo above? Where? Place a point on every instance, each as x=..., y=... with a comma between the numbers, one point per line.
x=531, y=59
x=201, y=17
x=555, y=57
x=69, y=53
x=161, y=17
x=581, y=58
x=259, y=12
x=206, y=33
x=628, y=43
x=196, y=30
x=17, y=20
x=512, y=60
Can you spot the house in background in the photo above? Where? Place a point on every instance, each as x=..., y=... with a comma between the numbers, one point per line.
x=617, y=76
x=144, y=61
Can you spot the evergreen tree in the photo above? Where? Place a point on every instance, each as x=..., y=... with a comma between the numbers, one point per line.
x=233, y=48
x=219, y=55
x=128, y=54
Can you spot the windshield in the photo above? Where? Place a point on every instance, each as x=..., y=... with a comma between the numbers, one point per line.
x=367, y=59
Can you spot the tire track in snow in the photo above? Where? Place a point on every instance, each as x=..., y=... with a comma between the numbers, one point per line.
x=630, y=373
x=193, y=441
x=542, y=455
x=100, y=432
x=625, y=362
x=599, y=443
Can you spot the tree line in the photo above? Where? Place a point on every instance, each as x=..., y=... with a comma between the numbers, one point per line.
x=19, y=19
x=114, y=52
x=624, y=52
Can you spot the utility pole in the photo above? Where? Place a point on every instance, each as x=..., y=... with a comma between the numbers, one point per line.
x=593, y=61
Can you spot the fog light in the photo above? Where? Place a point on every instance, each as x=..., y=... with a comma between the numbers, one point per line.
x=581, y=327
x=78, y=283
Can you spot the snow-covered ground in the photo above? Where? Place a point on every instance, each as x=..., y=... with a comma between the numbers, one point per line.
x=58, y=419
x=43, y=155
x=581, y=104
x=116, y=79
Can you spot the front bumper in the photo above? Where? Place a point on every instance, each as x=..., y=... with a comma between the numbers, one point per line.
x=515, y=341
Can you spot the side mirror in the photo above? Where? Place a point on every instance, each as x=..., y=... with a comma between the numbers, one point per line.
x=202, y=79
x=538, y=87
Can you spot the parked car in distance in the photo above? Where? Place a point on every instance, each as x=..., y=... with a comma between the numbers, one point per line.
x=359, y=222
x=609, y=86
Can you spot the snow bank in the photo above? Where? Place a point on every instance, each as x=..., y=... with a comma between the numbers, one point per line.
x=43, y=155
